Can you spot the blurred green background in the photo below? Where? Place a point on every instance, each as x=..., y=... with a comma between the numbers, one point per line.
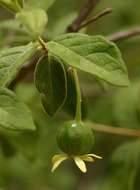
x=25, y=157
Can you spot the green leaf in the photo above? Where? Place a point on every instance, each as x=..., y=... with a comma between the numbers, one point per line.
x=34, y=20
x=92, y=54
x=123, y=167
x=126, y=104
x=21, y=2
x=11, y=61
x=14, y=114
x=12, y=5
x=50, y=80
x=10, y=25
x=44, y=4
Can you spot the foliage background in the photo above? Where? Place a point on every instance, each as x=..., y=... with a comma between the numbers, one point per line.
x=25, y=157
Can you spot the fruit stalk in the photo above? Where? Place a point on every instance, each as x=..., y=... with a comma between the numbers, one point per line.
x=78, y=96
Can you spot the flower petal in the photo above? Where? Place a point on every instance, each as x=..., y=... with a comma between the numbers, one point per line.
x=87, y=158
x=80, y=163
x=58, y=156
x=57, y=159
x=95, y=156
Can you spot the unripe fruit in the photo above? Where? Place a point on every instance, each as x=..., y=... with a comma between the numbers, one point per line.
x=74, y=138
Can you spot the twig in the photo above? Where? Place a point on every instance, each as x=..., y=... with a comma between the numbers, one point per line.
x=114, y=130
x=83, y=14
x=96, y=17
x=124, y=34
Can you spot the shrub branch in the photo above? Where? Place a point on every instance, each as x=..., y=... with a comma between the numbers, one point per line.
x=83, y=14
x=114, y=130
x=122, y=35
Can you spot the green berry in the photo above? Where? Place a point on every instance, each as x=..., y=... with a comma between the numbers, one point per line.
x=74, y=138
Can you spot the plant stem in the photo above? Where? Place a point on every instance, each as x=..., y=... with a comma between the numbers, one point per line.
x=83, y=14
x=43, y=44
x=78, y=95
x=114, y=130
x=122, y=35
x=96, y=17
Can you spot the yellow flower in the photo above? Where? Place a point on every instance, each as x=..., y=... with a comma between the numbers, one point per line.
x=79, y=160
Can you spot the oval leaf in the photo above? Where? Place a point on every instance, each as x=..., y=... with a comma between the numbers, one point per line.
x=92, y=54
x=50, y=80
x=11, y=61
x=14, y=114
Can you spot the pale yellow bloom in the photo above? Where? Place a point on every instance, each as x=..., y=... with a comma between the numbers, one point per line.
x=79, y=160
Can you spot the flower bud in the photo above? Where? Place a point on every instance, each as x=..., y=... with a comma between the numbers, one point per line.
x=33, y=20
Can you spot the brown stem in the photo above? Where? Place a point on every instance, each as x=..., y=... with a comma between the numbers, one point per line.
x=124, y=34
x=96, y=17
x=114, y=130
x=83, y=14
